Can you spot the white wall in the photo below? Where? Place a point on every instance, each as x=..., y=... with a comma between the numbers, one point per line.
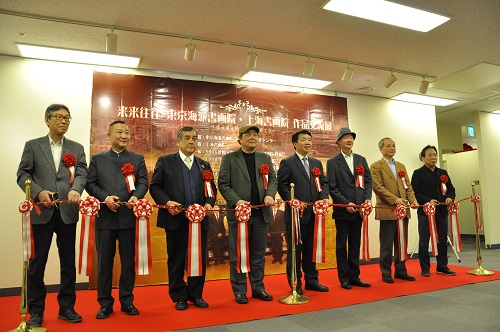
x=27, y=87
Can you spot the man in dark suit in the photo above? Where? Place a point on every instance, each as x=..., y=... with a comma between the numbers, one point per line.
x=42, y=163
x=343, y=172
x=116, y=220
x=426, y=182
x=241, y=182
x=297, y=169
x=392, y=186
x=217, y=235
x=276, y=231
x=177, y=182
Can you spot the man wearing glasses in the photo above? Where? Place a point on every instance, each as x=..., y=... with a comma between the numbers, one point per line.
x=57, y=169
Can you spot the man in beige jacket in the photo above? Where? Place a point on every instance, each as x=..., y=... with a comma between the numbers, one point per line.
x=388, y=185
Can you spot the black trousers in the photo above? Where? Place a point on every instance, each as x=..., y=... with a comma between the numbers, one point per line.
x=42, y=235
x=106, y=249
x=303, y=254
x=423, y=242
x=348, y=236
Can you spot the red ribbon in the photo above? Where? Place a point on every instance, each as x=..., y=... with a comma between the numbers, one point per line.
x=444, y=189
x=366, y=209
x=195, y=214
x=298, y=209
x=264, y=170
x=430, y=211
x=456, y=239
x=242, y=249
x=360, y=179
x=128, y=170
x=316, y=172
x=208, y=176
x=400, y=212
x=477, y=212
x=69, y=161
x=88, y=207
x=401, y=175
x=27, y=230
x=143, y=261
x=320, y=209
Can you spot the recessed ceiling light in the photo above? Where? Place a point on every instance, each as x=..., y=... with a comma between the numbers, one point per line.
x=388, y=12
x=496, y=112
x=421, y=99
x=285, y=80
x=67, y=55
x=365, y=89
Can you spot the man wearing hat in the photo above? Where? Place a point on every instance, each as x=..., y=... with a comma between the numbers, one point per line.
x=350, y=183
x=242, y=180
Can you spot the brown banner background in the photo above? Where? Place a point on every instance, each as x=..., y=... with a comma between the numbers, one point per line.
x=155, y=108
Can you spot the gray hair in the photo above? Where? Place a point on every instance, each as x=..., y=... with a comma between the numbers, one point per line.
x=381, y=142
x=55, y=107
x=183, y=129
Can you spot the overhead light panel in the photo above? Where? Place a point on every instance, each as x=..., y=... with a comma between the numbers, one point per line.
x=427, y=100
x=308, y=68
x=111, y=42
x=496, y=112
x=251, y=59
x=286, y=80
x=348, y=72
x=68, y=55
x=388, y=12
x=424, y=85
x=390, y=81
x=190, y=51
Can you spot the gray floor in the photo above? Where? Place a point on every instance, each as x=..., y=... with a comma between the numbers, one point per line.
x=468, y=308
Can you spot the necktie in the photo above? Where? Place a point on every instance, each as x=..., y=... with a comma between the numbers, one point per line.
x=188, y=162
x=306, y=166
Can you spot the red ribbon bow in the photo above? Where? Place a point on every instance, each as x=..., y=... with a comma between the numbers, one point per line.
x=444, y=179
x=208, y=176
x=242, y=248
x=360, y=179
x=366, y=209
x=320, y=209
x=69, y=161
x=316, y=172
x=400, y=211
x=430, y=211
x=128, y=170
x=402, y=174
x=143, y=209
x=195, y=214
x=88, y=207
x=264, y=170
x=27, y=231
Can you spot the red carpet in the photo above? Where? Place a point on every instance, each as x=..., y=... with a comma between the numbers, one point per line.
x=158, y=313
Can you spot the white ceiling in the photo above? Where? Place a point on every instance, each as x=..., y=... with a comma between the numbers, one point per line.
x=463, y=50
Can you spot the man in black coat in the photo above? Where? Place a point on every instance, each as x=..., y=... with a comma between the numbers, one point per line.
x=427, y=182
x=177, y=182
x=217, y=235
x=346, y=188
x=297, y=169
x=116, y=220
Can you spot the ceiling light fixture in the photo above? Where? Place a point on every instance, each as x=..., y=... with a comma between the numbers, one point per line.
x=389, y=13
x=190, y=51
x=285, y=80
x=251, y=59
x=308, y=68
x=111, y=42
x=68, y=55
x=424, y=85
x=427, y=100
x=390, y=81
x=348, y=72
x=496, y=112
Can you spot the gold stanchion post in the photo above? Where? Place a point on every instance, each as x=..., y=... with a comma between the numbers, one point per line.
x=293, y=298
x=479, y=271
x=23, y=307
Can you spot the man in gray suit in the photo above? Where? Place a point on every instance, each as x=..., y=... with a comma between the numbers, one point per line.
x=344, y=171
x=297, y=169
x=116, y=220
x=241, y=182
x=42, y=163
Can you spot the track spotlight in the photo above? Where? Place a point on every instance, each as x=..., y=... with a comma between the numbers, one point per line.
x=348, y=72
x=251, y=59
x=190, y=51
x=308, y=68
x=423, y=86
x=390, y=81
x=111, y=42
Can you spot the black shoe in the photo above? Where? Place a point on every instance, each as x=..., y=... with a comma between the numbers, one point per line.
x=426, y=273
x=181, y=305
x=446, y=271
x=130, y=310
x=317, y=287
x=263, y=296
x=241, y=299
x=360, y=283
x=69, y=315
x=104, y=312
x=200, y=303
x=404, y=277
x=299, y=290
x=388, y=280
x=345, y=285
x=36, y=319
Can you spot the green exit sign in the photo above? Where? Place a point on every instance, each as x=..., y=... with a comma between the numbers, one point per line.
x=470, y=131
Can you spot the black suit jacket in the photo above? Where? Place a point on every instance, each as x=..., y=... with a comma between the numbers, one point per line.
x=292, y=171
x=105, y=178
x=167, y=185
x=342, y=184
x=427, y=185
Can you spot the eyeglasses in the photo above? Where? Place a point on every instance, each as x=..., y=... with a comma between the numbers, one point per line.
x=59, y=118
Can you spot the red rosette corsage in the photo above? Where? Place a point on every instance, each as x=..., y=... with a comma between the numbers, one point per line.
x=360, y=170
x=128, y=169
x=264, y=170
x=69, y=160
x=444, y=188
x=360, y=179
x=316, y=172
x=208, y=176
x=444, y=178
x=402, y=174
